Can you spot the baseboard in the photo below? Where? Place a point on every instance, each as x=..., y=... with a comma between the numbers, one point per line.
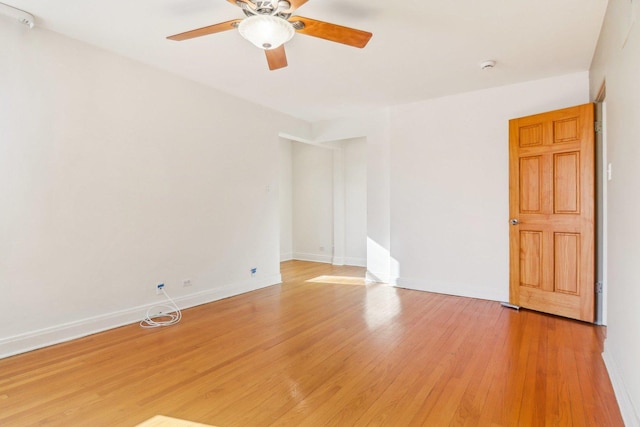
x=301, y=256
x=357, y=262
x=451, y=289
x=628, y=411
x=33, y=340
x=377, y=277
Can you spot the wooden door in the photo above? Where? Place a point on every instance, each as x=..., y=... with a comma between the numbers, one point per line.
x=551, y=207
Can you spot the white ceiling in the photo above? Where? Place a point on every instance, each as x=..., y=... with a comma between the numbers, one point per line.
x=420, y=48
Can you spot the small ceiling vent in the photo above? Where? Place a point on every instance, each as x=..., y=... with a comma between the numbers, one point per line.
x=486, y=65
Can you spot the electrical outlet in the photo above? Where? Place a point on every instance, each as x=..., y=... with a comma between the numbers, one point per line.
x=186, y=283
x=159, y=288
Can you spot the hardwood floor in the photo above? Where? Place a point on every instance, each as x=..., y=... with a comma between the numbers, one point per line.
x=323, y=349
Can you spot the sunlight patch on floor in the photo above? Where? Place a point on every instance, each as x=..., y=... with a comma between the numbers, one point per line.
x=339, y=280
x=162, y=421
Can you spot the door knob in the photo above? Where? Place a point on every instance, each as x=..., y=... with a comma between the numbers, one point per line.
x=514, y=221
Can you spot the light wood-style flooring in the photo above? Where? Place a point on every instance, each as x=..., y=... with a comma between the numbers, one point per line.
x=323, y=349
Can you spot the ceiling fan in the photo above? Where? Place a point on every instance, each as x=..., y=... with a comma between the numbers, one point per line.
x=268, y=25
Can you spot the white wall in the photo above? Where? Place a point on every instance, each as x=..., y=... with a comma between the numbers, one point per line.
x=355, y=206
x=285, y=196
x=617, y=60
x=449, y=184
x=116, y=176
x=312, y=202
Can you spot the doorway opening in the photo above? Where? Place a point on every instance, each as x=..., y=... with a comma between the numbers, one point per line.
x=323, y=202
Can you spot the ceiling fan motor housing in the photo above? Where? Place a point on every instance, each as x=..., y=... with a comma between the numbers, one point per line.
x=268, y=7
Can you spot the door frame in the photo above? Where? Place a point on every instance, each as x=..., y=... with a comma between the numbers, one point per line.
x=601, y=180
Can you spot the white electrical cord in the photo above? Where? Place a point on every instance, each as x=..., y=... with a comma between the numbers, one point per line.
x=171, y=316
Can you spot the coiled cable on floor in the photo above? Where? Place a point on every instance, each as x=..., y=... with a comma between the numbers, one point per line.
x=169, y=312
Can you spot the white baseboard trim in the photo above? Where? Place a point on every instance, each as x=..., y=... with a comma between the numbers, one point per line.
x=328, y=259
x=628, y=411
x=357, y=262
x=301, y=256
x=377, y=277
x=451, y=289
x=45, y=337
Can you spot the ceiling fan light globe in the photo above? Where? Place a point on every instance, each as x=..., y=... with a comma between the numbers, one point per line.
x=266, y=31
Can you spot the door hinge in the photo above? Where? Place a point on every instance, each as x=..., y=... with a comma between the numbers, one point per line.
x=597, y=127
x=598, y=288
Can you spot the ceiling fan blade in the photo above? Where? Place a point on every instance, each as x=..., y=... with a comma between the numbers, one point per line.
x=211, y=29
x=332, y=32
x=277, y=58
x=294, y=5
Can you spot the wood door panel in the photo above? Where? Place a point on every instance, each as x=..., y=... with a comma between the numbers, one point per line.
x=566, y=130
x=531, y=258
x=531, y=178
x=551, y=194
x=566, y=262
x=530, y=135
x=566, y=182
